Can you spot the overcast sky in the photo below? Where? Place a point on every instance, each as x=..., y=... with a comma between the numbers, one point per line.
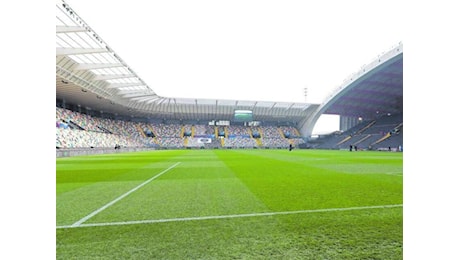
x=247, y=50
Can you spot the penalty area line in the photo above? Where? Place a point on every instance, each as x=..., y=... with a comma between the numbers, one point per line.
x=79, y=223
x=262, y=214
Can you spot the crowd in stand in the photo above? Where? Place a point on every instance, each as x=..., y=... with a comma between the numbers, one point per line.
x=77, y=130
x=172, y=142
x=204, y=131
x=271, y=132
x=69, y=138
x=275, y=142
x=240, y=142
x=237, y=130
x=168, y=130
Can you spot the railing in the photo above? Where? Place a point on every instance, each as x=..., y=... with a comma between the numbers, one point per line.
x=91, y=151
x=141, y=131
x=366, y=127
x=344, y=140
x=362, y=139
x=381, y=139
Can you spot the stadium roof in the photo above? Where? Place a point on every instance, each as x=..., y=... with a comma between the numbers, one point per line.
x=374, y=90
x=89, y=74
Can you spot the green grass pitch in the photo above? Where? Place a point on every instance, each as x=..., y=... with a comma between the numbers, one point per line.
x=230, y=204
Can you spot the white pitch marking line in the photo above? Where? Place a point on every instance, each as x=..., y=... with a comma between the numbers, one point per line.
x=78, y=223
x=229, y=216
x=394, y=173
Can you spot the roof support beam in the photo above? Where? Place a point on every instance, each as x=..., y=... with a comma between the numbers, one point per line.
x=152, y=100
x=142, y=99
x=176, y=108
x=76, y=51
x=290, y=106
x=124, y=92
x=113, y=76
x=123, y=85
x=306, y=107
x=162, y=100
x=169, y=103
x=69, y=29
x=88, y=66
x=133, y=95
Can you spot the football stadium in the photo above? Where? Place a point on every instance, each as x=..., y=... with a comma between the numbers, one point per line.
x=145, y=176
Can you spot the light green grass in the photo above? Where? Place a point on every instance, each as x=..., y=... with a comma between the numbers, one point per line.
x=230, y=182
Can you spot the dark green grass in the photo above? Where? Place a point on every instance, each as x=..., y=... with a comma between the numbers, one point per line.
x=228, y=182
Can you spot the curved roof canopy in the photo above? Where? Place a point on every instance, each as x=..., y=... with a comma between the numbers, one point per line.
x=377, y=92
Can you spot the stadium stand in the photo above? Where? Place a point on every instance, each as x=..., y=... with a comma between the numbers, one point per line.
x=379, y=134
x=92, y=111
x=75, y=130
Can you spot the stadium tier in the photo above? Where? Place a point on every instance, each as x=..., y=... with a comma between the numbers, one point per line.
x=76, y=130
x=384, y=133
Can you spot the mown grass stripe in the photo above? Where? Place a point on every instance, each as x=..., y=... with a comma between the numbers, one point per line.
x=228, y=216
x=78, y=223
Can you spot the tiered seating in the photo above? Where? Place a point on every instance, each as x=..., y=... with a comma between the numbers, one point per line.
x=76, y=130
x=204, y=131
x=202, y=136
x=271, y=132
x=169, y=135
x=240, y=142
x=380, y=133
x=394, y=141
x=238, y=136
x=69, y=138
